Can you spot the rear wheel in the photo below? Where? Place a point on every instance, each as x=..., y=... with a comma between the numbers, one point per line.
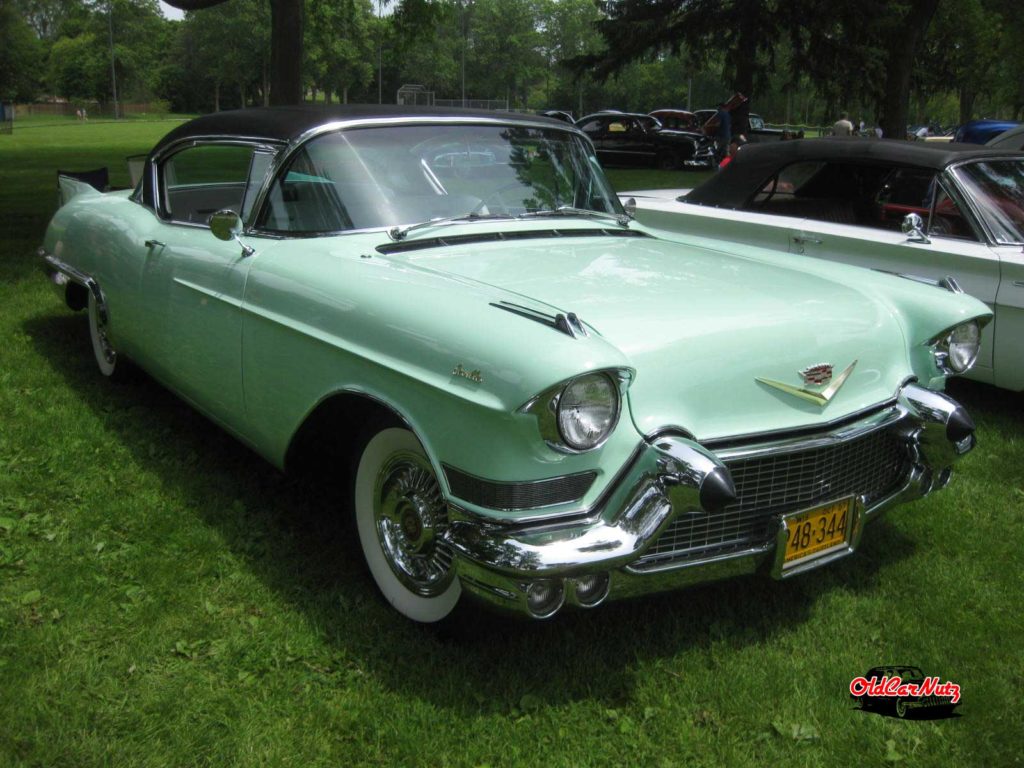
x=102, y=350
x=401, y=517
x=666, y=161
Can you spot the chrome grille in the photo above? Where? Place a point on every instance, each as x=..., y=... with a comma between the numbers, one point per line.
x=873, y=465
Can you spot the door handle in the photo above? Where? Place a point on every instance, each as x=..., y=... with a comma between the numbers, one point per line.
x=801, y=239
x=155, y=244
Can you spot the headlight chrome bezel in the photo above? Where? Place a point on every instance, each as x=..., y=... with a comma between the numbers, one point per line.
x=546, y=408
x=944, y=354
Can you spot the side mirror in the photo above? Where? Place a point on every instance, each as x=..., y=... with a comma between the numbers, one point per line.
x=913, y=228
x=630, y=207
x=227, y=225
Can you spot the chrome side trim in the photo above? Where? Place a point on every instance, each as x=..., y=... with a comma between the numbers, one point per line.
x=567, y=323
x=59, y=273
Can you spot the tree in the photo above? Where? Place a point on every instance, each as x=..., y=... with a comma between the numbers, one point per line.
x=20, y=56
x=339, y=45
x=285, y=45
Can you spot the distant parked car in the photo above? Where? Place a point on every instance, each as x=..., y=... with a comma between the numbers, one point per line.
x=1012, y=139
x=931, y=211
x=558, y=114
x=630, y=139
x=677, y=120
x=758, y=132
x=982, y=131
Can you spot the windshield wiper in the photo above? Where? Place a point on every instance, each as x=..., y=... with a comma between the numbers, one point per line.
x=568, y=210
x=398, y=233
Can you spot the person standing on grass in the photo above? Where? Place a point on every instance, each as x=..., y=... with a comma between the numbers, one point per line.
x=723, y=134
x=843, y=126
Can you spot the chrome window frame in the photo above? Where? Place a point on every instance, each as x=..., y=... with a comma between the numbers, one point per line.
x=974, y=205
x=156, y=162
x=284, y=158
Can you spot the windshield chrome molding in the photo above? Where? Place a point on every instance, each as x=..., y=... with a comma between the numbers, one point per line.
x=974, y=207
x=283, y=158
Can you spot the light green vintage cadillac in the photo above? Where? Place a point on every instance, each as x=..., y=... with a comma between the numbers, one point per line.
x=542, y=402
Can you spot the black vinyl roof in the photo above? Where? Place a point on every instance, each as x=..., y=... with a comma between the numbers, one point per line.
x=287, y=123
x=754, y=164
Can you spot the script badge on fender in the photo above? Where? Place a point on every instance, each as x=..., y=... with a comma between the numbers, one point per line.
x=816, y=374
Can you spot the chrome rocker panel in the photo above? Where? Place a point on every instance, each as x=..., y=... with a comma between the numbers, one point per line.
x=671, y=476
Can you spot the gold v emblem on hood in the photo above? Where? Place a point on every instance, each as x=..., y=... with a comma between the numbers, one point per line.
x=821, y=398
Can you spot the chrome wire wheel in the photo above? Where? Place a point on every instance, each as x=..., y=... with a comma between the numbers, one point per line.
x=401, y=517
x=102, y=349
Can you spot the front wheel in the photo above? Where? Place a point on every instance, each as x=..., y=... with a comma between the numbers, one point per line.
x=401, y=517
x=902, y=710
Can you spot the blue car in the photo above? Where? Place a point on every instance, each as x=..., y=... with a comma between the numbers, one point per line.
x=980, y=131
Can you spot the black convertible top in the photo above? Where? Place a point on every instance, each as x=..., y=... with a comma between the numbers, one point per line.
x=288, y=123
x=756, y=163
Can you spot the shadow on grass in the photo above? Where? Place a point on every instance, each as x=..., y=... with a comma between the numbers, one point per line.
x=293, y=538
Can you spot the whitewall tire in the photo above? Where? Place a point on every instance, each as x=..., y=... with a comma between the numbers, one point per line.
x=401, y=517
x=102, y=350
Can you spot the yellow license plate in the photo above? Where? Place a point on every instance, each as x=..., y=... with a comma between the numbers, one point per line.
x=816, y=531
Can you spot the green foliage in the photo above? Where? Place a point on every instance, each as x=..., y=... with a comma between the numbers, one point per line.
x=339, y=45
x=20, y=55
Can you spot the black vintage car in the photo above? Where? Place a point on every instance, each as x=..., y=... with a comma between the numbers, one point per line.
x=629, y=139
x=902, y=706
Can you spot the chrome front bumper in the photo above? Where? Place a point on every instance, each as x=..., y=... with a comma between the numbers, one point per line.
x=602, y=553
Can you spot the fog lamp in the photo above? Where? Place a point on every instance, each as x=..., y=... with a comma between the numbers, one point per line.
x=544, y=598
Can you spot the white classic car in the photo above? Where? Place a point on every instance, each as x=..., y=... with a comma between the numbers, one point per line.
x=949, y=214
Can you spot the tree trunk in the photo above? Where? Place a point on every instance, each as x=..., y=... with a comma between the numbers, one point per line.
x=286, y=52
x=327, y=97
x=344, y=95
x=967, y=97
x=241, y=91
x=216, y=96
x=903, y=45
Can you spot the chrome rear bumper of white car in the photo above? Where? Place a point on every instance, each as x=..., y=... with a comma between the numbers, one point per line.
x=681, y=514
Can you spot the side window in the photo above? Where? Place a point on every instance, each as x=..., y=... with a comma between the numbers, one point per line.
x=782, y=187
x=905, y=190
x=947, y=219
x=591, y=128
x=204, y=179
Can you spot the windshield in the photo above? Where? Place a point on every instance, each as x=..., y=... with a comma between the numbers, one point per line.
x=394, y=175
x=997, y=186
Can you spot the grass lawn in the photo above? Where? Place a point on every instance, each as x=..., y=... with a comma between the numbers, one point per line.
x=166, y=598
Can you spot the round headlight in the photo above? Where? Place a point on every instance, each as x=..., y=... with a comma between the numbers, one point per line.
x=961, y=346
x=587, y=411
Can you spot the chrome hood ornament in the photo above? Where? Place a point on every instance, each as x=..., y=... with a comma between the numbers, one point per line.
x=815, y=375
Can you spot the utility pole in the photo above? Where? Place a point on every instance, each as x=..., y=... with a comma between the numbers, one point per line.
x=113, y=71
x=465, y=40
x=380, y=52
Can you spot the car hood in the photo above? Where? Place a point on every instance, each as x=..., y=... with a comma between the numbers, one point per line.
x=701, y=325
